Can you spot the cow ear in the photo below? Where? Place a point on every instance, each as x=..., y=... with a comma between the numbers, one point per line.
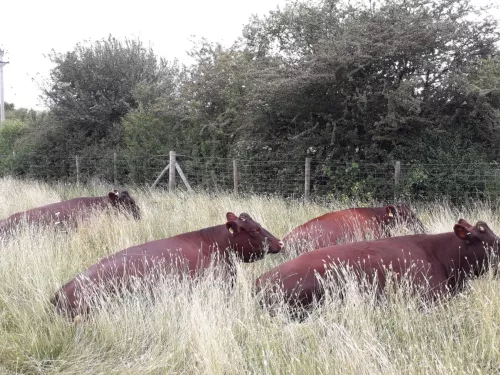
x=461, y=232
x=464, y=223
x=390, y=211
x=232, y=227
x=113, y=195
x=231, y=217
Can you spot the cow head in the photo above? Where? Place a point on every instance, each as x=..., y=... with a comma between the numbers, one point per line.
x=404, y=215
x=476, y=236
x=389, y=215
x=249, y=239
x=477, y=241
x=124, y=202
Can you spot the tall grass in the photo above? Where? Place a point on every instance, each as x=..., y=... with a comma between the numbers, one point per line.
x=209, y=328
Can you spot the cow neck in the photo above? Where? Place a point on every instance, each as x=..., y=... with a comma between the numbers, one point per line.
x=380, y=214
x=454, y=255
x=216, y=237
x=95, y=201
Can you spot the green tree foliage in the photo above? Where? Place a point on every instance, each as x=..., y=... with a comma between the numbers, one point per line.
x=155, y=127
x=368, y=83
x=9, y=106
x=25, y=137
x=483, y=101
x=216, y=93
x=350, y=85
x=358, y=82
x=91, y=87
x=10, y=132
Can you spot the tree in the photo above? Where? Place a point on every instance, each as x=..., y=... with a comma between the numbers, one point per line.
x=24, y=141
x=215, y=91
x=354, y=84
x=356, y=81
x=91, y=87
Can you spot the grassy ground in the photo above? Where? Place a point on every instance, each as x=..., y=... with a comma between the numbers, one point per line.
x=206, y=328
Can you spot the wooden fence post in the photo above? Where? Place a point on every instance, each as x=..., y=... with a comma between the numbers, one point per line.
x=397, y=175
x=183, y=177
x=160, y=175
x=77, y=163
x=235, y=176
x=115, y=174
x=307, y=180
x=171, y=172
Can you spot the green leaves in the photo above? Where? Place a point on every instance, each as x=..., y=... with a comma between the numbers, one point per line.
x=92, y=86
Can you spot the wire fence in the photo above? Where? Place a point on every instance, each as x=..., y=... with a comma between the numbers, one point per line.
x=287, y=178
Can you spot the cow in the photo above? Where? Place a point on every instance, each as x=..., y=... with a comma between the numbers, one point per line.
x=69, y=213
x=435, y=264
x=185, y=254
x=365, y=223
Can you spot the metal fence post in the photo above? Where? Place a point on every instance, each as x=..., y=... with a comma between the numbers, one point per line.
x=171, y=172
x=115, y=174
x=397, y=176
x=307, y=180
x=235, y=177
x=77, y=164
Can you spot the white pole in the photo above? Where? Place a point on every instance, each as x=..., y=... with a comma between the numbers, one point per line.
x=2, y=107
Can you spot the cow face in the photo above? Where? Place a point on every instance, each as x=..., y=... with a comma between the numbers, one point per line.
x=249, y=239
x=400, y=214
x=124, y=202
x=389, y=216
x=477, y=236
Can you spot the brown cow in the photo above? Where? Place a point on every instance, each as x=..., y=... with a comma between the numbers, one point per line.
x=366, y=223
x=187, y=253
x=68, y=213
x=436, y=264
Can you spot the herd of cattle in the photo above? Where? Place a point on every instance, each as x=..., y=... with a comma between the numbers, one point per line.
x=437, y=264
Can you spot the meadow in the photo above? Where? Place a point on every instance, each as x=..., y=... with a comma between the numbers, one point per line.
x=208, y=327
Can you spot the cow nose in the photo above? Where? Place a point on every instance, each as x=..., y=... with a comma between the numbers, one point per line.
x=280, y=243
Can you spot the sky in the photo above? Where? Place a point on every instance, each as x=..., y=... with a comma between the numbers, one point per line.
x=29, y=30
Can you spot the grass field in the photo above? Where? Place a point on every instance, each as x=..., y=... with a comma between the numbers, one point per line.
x=209, y=328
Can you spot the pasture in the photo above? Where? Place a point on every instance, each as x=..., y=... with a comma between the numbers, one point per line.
x=209, y=328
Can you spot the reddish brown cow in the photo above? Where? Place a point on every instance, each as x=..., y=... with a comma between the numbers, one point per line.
x=437, y=264
x=187, y=253
x=68, y=213
x=342, y=226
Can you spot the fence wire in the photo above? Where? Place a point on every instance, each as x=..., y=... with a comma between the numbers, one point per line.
x=457, y=182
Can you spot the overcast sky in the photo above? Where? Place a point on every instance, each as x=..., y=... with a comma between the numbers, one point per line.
x=31, y=29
